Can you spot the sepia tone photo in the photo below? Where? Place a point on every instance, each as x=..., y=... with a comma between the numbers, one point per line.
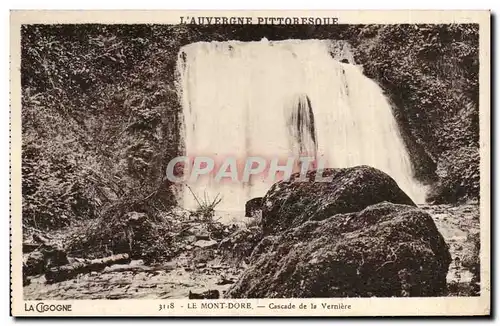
x=302, y=158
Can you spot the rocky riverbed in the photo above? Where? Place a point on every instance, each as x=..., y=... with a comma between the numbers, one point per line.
x=197, y=270
x=459, y=226
x=173, y=280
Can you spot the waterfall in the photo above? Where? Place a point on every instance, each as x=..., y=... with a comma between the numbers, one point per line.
x=282, y=99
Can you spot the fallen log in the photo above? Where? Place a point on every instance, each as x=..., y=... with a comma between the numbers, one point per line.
x=69, y=271
x=30, y=247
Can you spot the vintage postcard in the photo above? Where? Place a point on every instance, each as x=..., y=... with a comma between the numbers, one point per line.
x=250, y=163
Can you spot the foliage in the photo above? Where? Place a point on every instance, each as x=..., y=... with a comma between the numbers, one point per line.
x=459, y=176
x=54, y=187
x=430, y=73
x=238, y=246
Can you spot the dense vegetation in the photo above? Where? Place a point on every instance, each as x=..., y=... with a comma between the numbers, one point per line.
x=430, y=73
x=99, y=120
x=100, y=110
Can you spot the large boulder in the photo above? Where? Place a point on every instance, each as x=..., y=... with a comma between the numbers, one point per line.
x=385, y=250
x=288, y=204
x=34, y=263
x=253, y=207
x=39, y=261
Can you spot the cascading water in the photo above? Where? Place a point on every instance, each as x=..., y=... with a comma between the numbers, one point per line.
x=282, y=99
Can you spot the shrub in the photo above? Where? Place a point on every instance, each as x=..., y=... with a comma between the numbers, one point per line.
x=459, y=176
x=206, y=207
x=97, y=108
x=55, y=188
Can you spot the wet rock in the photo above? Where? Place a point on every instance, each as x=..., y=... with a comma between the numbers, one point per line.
x=210, y=294
x=470, y=254
x=30, y=247
x=203, y=236
x=385, y=250
x=288, y=204
x=206, y=244
x=54, y=256
x=461, y=231
x=240, y=244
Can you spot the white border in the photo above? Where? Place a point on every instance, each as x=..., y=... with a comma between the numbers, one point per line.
x=255, y=4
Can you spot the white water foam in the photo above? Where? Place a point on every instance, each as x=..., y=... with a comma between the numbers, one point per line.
x=281, y=99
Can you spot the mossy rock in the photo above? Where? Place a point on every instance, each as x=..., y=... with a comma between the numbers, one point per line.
x=385, y=250
x=288, y=204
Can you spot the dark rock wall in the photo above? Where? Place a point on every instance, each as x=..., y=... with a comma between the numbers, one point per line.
x=290, y=203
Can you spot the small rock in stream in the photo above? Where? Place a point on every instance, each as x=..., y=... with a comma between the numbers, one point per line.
x=210, y=294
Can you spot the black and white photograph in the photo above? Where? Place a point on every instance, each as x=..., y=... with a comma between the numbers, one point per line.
x=252, y=157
